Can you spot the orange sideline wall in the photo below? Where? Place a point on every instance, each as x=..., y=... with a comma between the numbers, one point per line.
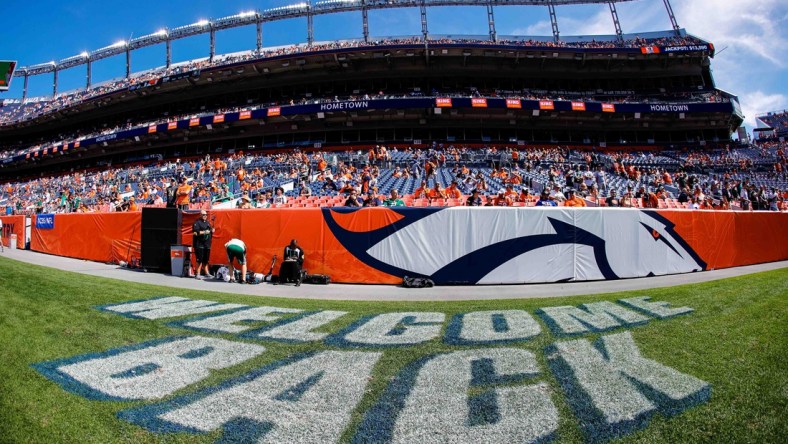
x=718, y=239
x=100, y=237
x=267, y=232
x=13, y=225
x=731, y=239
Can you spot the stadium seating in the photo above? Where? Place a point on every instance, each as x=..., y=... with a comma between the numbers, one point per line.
x=760, y=170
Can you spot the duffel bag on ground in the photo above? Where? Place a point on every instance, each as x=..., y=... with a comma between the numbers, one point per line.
x=318, y=279
x=417, y=282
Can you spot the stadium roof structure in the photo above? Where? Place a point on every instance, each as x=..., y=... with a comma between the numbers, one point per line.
x=298, y=10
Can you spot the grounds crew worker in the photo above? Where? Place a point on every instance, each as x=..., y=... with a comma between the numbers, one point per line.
x=236, y=249
x=202, y=232
x=293, y=262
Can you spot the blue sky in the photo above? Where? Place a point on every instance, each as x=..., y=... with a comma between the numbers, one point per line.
x=750, y=35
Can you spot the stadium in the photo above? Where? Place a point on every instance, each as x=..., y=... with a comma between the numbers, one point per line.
x=591, y=296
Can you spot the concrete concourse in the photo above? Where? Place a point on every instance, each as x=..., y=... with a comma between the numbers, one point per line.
x=353, y=292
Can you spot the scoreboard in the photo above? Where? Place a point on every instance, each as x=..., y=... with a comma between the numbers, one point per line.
x=6, y=74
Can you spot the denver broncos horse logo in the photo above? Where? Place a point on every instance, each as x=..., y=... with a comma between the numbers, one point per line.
x=507, y=245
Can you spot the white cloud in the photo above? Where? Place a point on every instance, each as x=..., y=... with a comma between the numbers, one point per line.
x=754, y=27
x=751, y=40
x=757, y=103
x=540, y=28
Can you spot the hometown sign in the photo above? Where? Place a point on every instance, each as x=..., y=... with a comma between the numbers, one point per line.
x=484, y=389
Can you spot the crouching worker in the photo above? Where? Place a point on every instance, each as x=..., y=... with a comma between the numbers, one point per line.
x=236, y=249
x=293, y=261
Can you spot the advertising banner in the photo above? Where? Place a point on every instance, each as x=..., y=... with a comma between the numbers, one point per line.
x=514, y=103
x=479, y=103
x=45, y=221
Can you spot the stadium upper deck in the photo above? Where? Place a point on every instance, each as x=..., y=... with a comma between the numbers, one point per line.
x=654, y=88
x=777, y=122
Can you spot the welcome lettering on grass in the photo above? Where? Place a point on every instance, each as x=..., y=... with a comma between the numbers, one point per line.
x=486, y=394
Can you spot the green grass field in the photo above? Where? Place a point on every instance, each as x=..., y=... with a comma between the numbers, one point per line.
x=735, y=340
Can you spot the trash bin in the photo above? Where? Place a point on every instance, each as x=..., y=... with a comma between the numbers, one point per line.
x=12, y=242
x=180, y=260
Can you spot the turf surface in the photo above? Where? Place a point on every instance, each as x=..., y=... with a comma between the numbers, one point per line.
x=735, y=340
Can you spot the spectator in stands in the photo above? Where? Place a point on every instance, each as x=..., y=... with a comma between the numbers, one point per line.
x=421, y=191
x=452, y=192
x=279, y=198
x=613, y=200
x=394, y=200
x=572, y=200
x=510, y=193
x=502, y=200
x=525, y=195
x=556, y=195
x=544, y=200
x=683, y=196
x=772, y=198
x=372, y=199
x=306, y=191
x=474, y=200
x=172, y=193
x=224, y=195
x=437, y=191
x=641, y=193
x=245, y=202
x=183, y=192
x=650, y=200
x=353, y=200
x=261, y=201
x=330, y=185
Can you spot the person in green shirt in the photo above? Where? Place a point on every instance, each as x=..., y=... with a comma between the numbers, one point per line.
x=394, y=200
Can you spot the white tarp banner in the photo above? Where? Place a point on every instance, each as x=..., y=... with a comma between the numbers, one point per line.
x=504, y=245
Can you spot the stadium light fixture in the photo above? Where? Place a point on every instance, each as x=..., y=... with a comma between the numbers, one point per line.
x=247, y=14
x=161, y=32
x=202, y=23
x=119, y=44
x=84, y=54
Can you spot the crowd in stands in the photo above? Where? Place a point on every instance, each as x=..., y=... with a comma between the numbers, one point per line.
x=37, y=107
x=778, y=121
x=737, y=178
